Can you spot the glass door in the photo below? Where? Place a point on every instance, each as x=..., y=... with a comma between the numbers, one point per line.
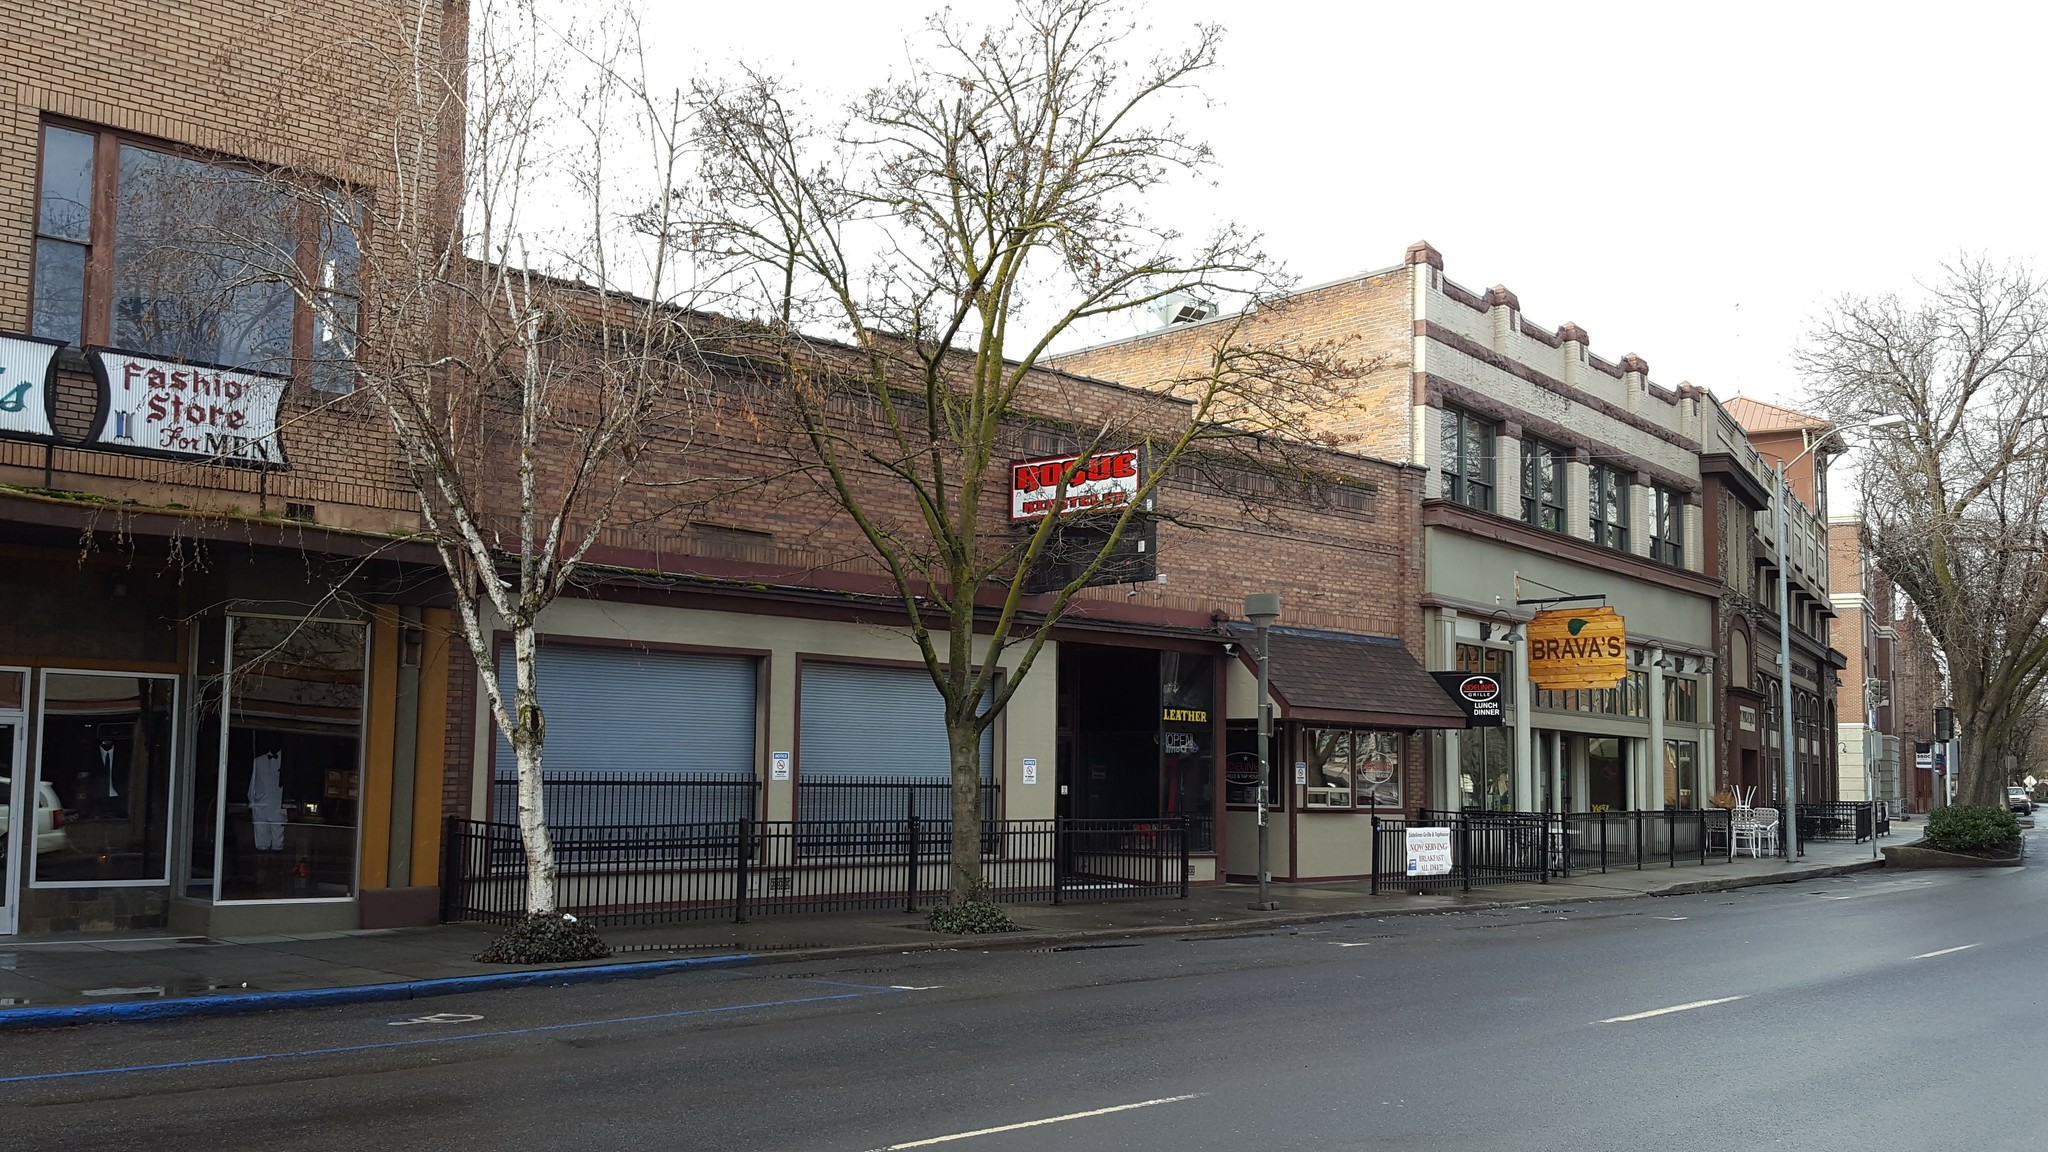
x=15, y=788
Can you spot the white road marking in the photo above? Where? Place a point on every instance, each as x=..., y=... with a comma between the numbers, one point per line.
x=1037, y=1123
x=438, y=1018
x=1673, y=1008
x=1674, y=919
x=1360, y=944
x=1943, y=952
x=914, y=987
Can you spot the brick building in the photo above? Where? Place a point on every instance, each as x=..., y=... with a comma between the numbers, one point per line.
x=1805, y=446
x=1868, y=744
x=1916, y=691
x=220, y=674
x=231, y=699
x=1554, y=478
x=767, y=612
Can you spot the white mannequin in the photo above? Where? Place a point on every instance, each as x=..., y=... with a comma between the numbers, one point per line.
x=266, y=801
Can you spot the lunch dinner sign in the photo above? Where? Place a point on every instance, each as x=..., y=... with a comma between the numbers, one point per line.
x=192, y=411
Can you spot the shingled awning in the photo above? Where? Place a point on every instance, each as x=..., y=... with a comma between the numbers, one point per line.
x=1339, y=678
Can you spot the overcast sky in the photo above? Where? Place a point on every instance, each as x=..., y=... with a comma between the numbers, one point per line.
x=1691, y=185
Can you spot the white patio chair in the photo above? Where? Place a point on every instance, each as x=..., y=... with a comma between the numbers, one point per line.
x=1767, y=820
x=1744, y=831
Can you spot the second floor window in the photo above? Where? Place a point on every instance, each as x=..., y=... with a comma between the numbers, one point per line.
x=170, y=255
x=1543, y=485
x=1667, y=527
x=1607, y=505
x=1467, y=446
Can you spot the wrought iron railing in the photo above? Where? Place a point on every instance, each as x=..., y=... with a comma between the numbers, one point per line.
x=742, y=868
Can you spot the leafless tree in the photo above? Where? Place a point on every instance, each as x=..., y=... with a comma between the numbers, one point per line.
x=1957, y=497
x=946, y=232
x=517, y=319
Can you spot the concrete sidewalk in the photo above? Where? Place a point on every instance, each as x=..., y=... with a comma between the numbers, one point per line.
x=79, y=979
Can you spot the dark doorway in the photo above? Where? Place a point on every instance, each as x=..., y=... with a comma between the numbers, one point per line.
x=1109, y=733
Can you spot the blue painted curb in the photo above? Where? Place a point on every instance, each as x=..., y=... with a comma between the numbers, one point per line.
x=356, y=994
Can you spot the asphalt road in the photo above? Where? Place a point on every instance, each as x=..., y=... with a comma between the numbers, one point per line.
x=1867, y=1012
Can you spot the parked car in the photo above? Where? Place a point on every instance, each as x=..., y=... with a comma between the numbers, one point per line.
x=50, y=817
x=2019, y=801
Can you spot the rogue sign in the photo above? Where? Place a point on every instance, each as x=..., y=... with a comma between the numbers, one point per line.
x=1577, y=648
x=1101, y=482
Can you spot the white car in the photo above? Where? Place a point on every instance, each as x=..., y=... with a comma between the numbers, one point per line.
x=50, y=817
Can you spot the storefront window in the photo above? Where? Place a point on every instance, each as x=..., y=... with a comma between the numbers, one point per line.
x=1187, y=744
x=1486, y=760
x=1352, y=768
x=1628, y=697
x=1606, y=775
x=1241, y=768
x=1682, y=701
x=291, y=776
x=1681, y=774
x=106, y=742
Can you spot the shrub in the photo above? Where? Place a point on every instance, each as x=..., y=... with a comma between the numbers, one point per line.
x=546, y=939
x=1968, y=829
x=973, y=918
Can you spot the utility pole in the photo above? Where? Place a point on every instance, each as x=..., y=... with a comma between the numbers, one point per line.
x=1262, y=609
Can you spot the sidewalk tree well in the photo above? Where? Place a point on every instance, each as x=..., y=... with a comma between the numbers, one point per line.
x=916, y=258
x=1955, y=500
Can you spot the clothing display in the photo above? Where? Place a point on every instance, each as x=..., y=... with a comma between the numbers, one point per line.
x=266, y=801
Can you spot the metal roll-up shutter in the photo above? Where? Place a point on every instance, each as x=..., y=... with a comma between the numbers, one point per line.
x=617, y=713
x=867, y=723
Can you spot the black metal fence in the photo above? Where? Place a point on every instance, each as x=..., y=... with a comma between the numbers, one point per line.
x=1599, y=841
x=741, y=868
x=840, y=798
x=1849, y=821
x=620, y=800
x=1488, y=848
x=1484, y=848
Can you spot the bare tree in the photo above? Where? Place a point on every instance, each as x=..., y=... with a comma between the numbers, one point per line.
x=1957, y=497
x=517, y=318
x=953, y=226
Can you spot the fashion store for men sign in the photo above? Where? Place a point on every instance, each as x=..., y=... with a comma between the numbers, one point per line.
x=1103, y=481
x=194, y=411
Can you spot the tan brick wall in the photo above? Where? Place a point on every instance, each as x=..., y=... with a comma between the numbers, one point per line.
x=281, y=83
x=1366, y=320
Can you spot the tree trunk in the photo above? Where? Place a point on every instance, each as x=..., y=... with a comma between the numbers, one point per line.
x=964, y=882
x=529, y=733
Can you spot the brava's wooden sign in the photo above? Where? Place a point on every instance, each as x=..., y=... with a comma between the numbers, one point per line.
x=1577, y=648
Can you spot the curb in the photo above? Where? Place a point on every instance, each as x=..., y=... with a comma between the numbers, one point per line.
x=1694, y=887
x=62, y=1015
x=355, y=994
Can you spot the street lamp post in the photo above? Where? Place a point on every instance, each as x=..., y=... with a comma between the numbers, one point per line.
x=1787, y=754
x=1262, y=609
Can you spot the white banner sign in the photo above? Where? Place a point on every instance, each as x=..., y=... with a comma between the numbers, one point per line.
x=169, y=409
x=25, y=386
x=1108, y=480
x=1429, y=851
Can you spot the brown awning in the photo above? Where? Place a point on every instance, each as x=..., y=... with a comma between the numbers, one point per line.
x=1339, y=678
